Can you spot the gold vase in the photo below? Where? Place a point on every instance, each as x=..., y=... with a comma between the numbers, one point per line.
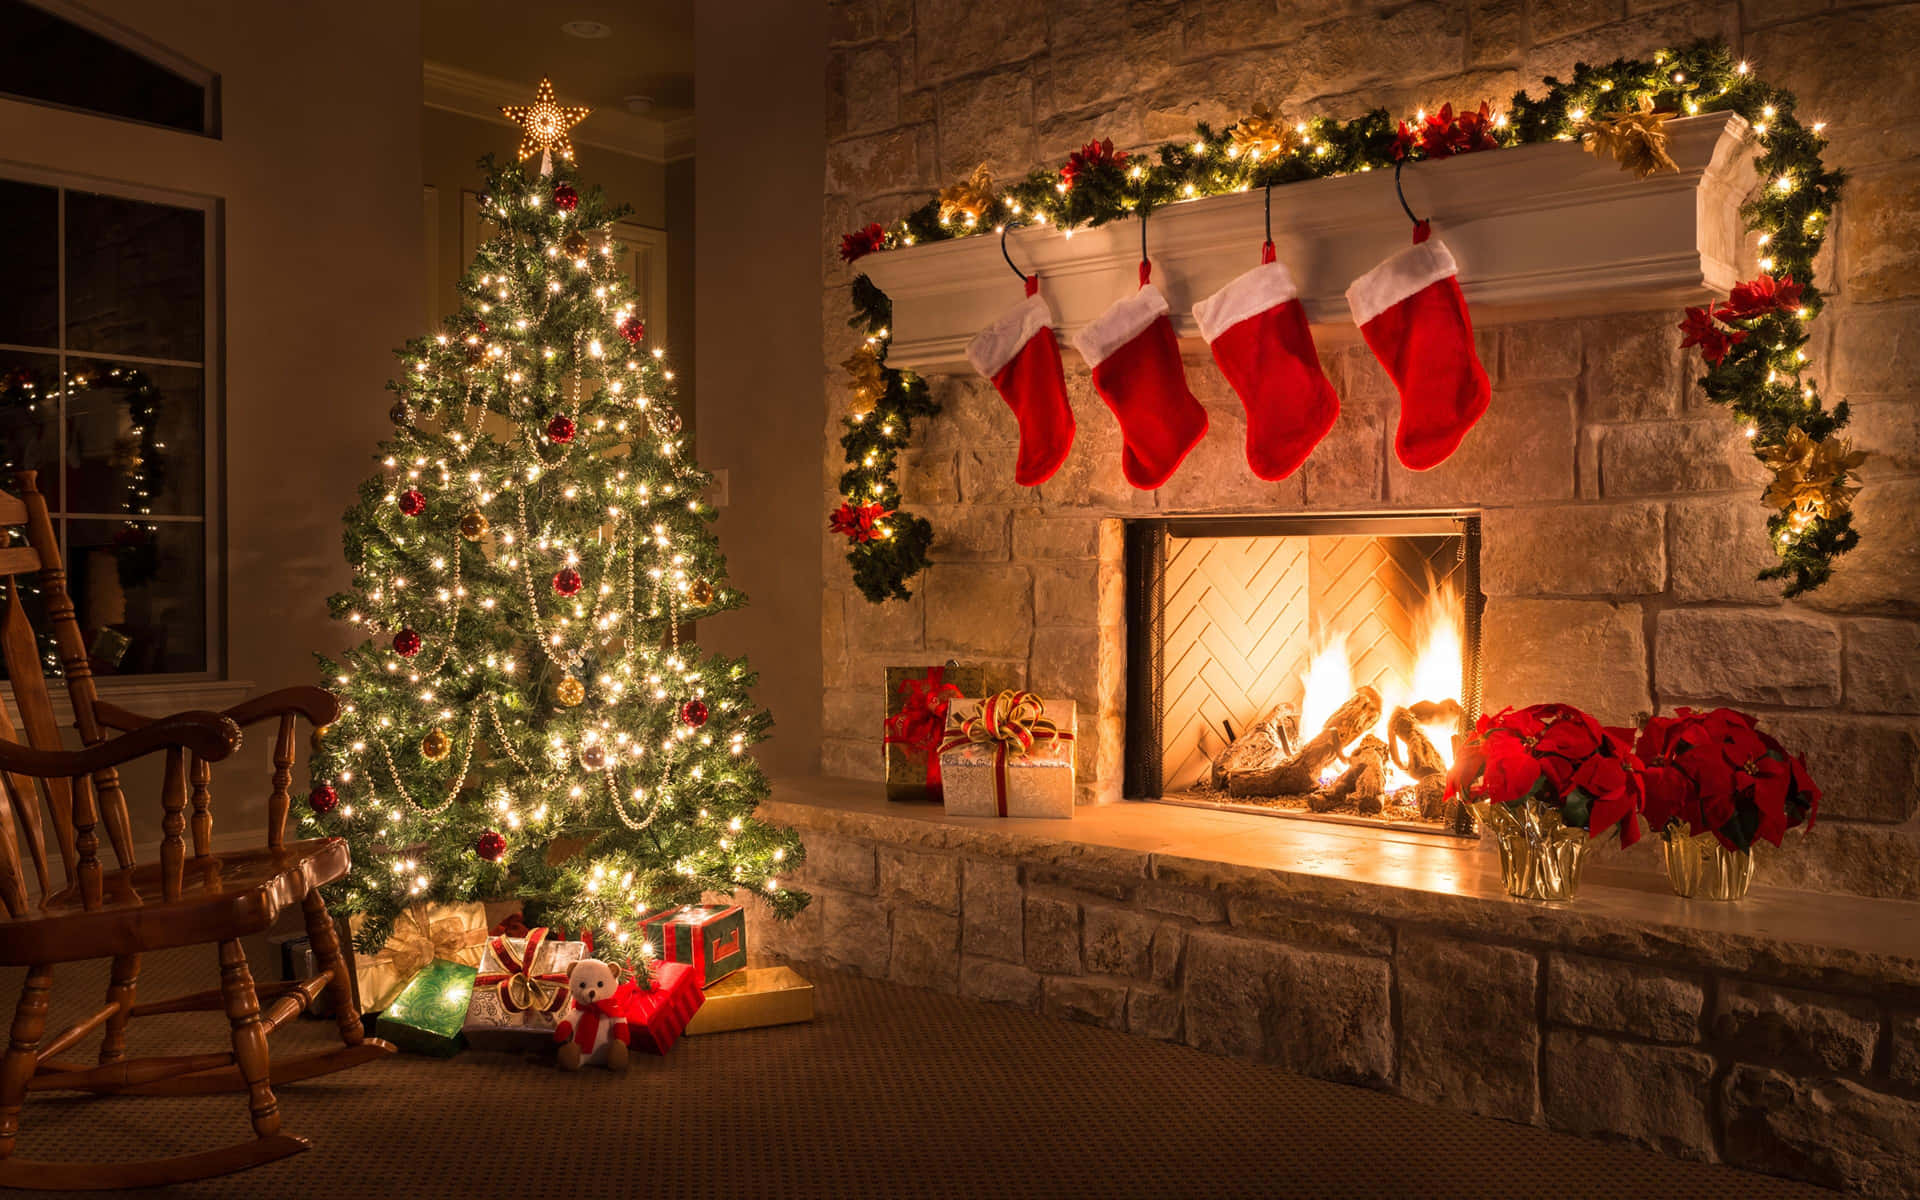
x=1540, y=855
x=1700, y=868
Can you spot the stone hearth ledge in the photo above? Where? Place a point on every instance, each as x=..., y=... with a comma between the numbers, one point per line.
x=1401, y=876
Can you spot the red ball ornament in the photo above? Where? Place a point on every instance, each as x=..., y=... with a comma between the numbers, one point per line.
x=491, y=846
x=480, y=327
x=694, y=713
x=406, y=643
x=412, y=502
x=565, y=198
x=561, y=428
x=566, y=581
x=323, y=798
x=633, y=329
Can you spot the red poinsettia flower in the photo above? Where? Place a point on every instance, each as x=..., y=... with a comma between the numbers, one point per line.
x=1089, y=157
x=862, y=242
x=1443, y=134
x=860, y=523
x=1716, y=772
x=1760, y=296
x=1560, y=756
x=1714, y=342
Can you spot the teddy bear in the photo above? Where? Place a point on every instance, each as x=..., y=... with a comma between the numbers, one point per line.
x=594, y=1031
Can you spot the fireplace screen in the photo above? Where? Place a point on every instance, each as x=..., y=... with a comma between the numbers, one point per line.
x=1311, y=666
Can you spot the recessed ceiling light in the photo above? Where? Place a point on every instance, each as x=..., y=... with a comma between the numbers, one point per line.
x=638, y=104
x=587, y=29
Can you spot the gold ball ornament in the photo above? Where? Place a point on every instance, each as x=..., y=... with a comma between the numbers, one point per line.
x=570, y=692
x=665, y=421
x=474, y=525
x=436, y=745
x=576, y=245
x=593, y=758
x=701, y=593
x=318, y=736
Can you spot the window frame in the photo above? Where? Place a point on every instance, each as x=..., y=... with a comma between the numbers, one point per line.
x=212, y=517
x=127, y=39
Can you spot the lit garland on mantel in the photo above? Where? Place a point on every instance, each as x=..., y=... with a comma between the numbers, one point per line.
x=1752, y=345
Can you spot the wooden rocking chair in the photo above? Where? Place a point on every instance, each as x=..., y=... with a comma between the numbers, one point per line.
x=121, y=913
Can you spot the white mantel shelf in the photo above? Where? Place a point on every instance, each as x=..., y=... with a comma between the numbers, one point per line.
x=1538, y=231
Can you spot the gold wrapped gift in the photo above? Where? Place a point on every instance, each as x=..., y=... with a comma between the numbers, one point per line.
x=753, y=999
x=423, y=932
x=1009, y=755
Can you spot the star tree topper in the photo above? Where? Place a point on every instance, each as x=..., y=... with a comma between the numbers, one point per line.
x=545, y=122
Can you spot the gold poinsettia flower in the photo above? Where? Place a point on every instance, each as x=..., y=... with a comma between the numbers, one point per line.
x=1262, y=135
x=867, y=379
x=1810, y=478
x=969, y=199
x=1635, y=138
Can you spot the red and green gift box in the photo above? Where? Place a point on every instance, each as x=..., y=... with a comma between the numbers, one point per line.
x=917, y=702
x=709, y=938
x=658, y=1009
x=521, y=990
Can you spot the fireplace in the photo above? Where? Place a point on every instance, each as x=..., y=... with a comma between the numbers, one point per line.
x=1315, y=667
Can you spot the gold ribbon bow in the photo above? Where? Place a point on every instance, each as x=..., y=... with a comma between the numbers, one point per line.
x=421, y=934
x=1012, y=721
x=520, y=988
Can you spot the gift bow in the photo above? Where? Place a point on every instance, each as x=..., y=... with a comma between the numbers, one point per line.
x=419, y=937
x=520, y=989
x=1013, y=721
x=922, y=719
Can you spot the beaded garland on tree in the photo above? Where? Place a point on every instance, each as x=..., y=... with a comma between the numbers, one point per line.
x=1755, y=358
x=523, y=566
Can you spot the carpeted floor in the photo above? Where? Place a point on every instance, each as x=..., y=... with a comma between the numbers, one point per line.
x=890, y=1092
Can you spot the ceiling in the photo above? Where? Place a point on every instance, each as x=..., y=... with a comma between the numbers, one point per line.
x=649, y=53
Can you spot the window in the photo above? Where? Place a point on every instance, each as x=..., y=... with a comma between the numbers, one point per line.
x=53, y=53
x=104, y=384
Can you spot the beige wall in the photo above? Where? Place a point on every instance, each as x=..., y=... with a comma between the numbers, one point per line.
x=759, y=69
x=321, y=111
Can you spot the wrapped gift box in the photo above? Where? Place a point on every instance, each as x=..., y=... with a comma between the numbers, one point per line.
x=422, y=933
x=753, y=999
x=917, y=701
x=427, y=1014
x=298, y=963
x=1010, y=755
x=658, y=1014
x=710, y=939
x=521, y=990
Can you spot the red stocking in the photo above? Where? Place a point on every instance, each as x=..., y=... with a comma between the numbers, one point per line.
x=1259, y=336
x=1410, y=310
x=1019, y=354
x=1137, y=371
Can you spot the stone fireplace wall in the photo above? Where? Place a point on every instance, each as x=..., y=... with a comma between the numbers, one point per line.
x=1622, y=524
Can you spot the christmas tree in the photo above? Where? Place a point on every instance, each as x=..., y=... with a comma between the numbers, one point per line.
x=524, y=718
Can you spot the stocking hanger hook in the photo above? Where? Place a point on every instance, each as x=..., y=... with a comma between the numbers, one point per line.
x=1146, y=267
x=1421, y=226
x=1004, y=231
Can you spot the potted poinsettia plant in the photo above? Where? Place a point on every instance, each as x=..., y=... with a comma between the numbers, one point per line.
x=1716, y=785
x=1545, y=781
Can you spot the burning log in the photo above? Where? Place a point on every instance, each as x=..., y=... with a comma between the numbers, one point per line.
x=1363, y=785
x=1264, y=743
x=1415, y=753
x=1299, y=773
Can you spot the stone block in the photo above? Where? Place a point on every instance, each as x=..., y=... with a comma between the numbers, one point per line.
x=926, y=948
x=1589, y=653
x=987, y=119
x=978, y=611
x=1078, y=592
x=1349, y=465
x=1088, y=1001
x=1868, y=769
x=1814, y=1031
x=852, y=713
x=1052, y=935
x=1081, y=664
x=1637, y=999
x=973, y=418
x=957, y=38
x=999, y=982
x=1716, y=549
x=929, y=879
x=1889, y=429
x=1829, y=57
x=871, y=87
x=992, y=909
x=1341, y=54
x=892, y=161
x=894, y=625
x=1215, y=473
x=1090, y=884
x=968, y=533
x=1904, y=1068
x=1832, y=1132
x=1541, y=349
x=1746, y=655
x=854, y=935
x=1117, y=941
x=1064, y=537
x=1522, y=449
x=1557, y=18
x=1879, y=228
x=1852, y=857
x=1285, y=921
x=1493, y=30
x=1469, y=1037
x=1153, y=1013
x=1633, y=364
x=929, y=478
x=1651, y=1096
x=1169, y=946
x=840, y=862
x=1708, y=454
x=1876, y=350
x=1573, y=550
x=1325, y=1015
x=1877, y=575
x=1233, y=25
x=1204, y=907
x=852, y=759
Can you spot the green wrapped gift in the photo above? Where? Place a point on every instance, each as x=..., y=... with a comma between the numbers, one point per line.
x=427, y=1014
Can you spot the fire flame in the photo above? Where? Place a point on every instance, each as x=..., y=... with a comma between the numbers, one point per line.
x=1329, y=683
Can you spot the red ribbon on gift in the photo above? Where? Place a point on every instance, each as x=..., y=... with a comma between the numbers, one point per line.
x=922, y=719
x=1013, y=721
x=521, y=990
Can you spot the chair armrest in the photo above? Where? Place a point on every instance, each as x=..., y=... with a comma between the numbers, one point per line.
x=317, y=705
x=209, y=735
